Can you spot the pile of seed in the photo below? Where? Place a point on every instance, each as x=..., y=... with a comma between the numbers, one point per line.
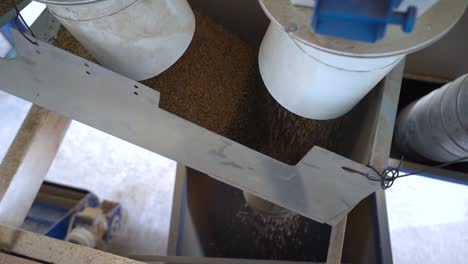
x=217, y=84
x=211, y=84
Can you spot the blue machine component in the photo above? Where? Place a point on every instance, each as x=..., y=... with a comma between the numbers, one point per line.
x=7, y=47
x=47, y=219
x=6, y=38
x=360, y=20
x=114, y=222
x=52, y=220
x=56, y=209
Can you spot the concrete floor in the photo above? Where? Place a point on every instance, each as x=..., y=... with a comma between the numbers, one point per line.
x=112, y=169
x=428, y=221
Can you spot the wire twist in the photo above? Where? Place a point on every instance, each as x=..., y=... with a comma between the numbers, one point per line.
x=388, y=176
x=19, y=16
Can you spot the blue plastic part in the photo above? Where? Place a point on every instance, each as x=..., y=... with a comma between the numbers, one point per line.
x=39, y=220
x=60, y=229
x=117, y=215
x=360, y=20
x=5, y=30
x=48, y=219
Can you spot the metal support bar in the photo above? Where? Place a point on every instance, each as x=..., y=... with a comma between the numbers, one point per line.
x=335, y=247
x=380, y=155
x=27, y=161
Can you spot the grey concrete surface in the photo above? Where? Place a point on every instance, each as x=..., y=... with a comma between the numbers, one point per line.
x=428, y=221
x=112, y=169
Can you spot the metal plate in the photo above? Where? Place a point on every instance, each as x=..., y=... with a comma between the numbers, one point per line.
x=430, y=27
x=317, y=187
x=46, y=27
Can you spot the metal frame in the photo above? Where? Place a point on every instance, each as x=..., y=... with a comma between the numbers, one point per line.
x=376, y=153
x=317, y=187
x=86, y=92
x=372, y=146
x=379, y=159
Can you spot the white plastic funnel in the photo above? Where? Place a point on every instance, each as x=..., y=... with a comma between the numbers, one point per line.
x=136, y=38
x=322, y=77
x=313, y=83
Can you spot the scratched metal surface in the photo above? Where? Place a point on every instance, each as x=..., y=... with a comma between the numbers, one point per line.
x=316, y=187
